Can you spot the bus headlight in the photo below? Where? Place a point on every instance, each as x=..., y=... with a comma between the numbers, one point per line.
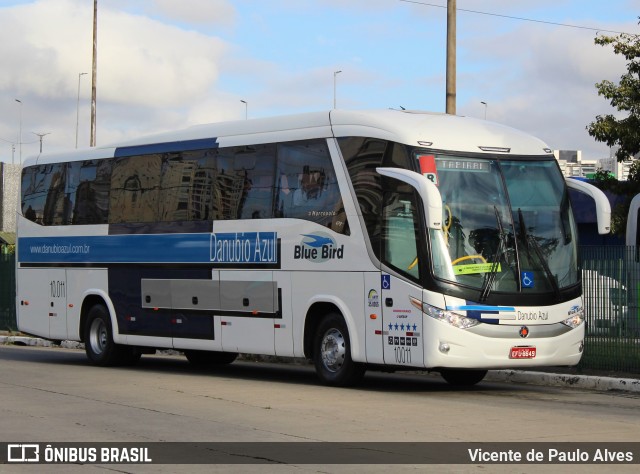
x=575, y=320
x=454, y=319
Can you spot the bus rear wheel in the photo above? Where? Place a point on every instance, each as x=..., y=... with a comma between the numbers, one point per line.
x=98, y=341
x=463, y=377
x=332, y=353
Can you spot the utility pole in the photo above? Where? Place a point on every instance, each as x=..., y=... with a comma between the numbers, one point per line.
x=78, y=106
x=451, y=57
x=94, y=69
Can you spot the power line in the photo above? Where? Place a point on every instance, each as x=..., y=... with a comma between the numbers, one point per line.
x=566, y=25
x=17, y=143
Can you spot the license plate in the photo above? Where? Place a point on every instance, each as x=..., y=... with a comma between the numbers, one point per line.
x=522, y=352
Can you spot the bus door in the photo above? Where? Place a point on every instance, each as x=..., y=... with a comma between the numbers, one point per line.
x=248, y=302
x=402, y=322
x=401, y=294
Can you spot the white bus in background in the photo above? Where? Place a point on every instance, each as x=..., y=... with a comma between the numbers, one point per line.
x=632, y=297
x=605, y=303
x=355, y=239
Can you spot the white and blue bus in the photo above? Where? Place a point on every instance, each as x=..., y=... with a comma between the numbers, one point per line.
x=355, y=239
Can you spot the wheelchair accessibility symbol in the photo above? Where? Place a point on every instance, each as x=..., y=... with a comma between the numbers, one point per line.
x=526, y=278
x=386, y=282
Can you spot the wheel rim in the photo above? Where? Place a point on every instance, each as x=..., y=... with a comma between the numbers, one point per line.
x=333, y=350
x=98, y=336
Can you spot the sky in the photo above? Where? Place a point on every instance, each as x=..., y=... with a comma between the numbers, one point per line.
x=168, y=64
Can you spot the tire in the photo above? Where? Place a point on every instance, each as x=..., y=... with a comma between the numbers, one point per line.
x=463, y=377
x=332, y=353
x=207, y=358
x=98, y=341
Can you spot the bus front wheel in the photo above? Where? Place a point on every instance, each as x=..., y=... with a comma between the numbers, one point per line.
x=332, y=353
x=98, y=341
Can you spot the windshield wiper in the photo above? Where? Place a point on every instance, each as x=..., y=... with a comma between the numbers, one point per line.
x=491, y=276
x=531, y=241
x=564, y=218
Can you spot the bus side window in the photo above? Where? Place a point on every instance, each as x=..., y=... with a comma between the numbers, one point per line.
x=43, y=194
x=135, y=184
x=29, y=194
x=88, y=191
x=400, y=229
x=307, y=185
x=256, y=164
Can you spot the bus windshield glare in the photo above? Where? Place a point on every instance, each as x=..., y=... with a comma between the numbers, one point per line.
x=507, y=225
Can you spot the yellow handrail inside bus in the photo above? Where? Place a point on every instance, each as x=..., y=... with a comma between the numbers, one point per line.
x=469, y=257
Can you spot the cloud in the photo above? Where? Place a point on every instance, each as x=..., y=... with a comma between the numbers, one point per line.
x=165, y=64
x=145, y=62
x=144, y=66
x=542, y=82
x=198, y=12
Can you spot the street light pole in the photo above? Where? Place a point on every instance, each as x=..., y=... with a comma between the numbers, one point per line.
x=246, y=109
x=78, y=106
x=335, y=73
x=20, y=130
x=41, y=136
x=485, y=109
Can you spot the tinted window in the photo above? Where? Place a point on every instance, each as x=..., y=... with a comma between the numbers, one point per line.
x=187, y=188
x=87, y=191
x=362, y=156
x=307, y=187
x=293, y=180
x=401, y=228
x=43, y=194
x=135, y=186
x=245, y=181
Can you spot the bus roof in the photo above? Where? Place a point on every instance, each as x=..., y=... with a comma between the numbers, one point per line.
x=438, y=131
x=431, y=130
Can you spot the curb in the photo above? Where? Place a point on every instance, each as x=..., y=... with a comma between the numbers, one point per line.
x=36, y=341
x=588, y=382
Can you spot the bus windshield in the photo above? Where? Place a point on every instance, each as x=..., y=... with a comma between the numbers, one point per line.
x=507, y=225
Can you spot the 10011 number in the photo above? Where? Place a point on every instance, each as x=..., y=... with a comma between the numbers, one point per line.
x=403, y=355
x=57, y=289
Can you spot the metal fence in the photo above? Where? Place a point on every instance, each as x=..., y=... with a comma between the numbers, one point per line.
x=7, y=293
x=611, y=288
x=611, y=281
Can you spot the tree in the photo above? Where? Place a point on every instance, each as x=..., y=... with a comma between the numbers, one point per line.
x=626, y=190
x=625, y=97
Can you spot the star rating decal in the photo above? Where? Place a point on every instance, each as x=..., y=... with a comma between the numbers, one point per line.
x=402, y=327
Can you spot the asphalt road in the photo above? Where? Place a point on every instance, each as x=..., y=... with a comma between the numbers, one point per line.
x=53, y=395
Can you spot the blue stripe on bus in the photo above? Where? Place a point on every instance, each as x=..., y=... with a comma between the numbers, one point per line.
x=483, y=312
x=480, y=307
x=240, y=248
x=168, y=147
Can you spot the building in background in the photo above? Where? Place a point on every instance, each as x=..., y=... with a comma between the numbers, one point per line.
x=572, y=164
x=9, y=186
x=619, y=170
